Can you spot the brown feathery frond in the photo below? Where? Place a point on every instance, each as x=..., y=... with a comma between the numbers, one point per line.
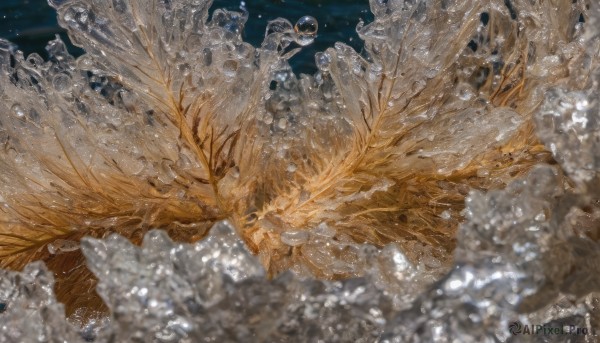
x=433, y=115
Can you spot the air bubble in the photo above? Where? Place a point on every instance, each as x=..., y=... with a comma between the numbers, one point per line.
x=306, y=29
x=85, y=62
x=61, y=82
x=18, y=111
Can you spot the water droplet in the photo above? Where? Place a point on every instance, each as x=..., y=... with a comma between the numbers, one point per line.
x=482, y=172
x=431, y=73
x=18, y=111
x=323, y=61
x=540, y=217
x=235, y=172
x=294, y=238
x=304, y=196
x=61, y=82
x=35, y=60
x=292, y=167
x=306, y=28
x=268, y=119
x=324, y=230
x=464, y=92
x=375, y=70
x=281, y=76
x=357, y=68
x=418, y=86
x=582, y=105
x=565, y=104
x=231, y=21
x=580, y=118
x=379, y=7
x=85, y=62
x=282, y=123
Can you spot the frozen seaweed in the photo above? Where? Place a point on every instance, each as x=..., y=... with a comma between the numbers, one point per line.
x=441, y=185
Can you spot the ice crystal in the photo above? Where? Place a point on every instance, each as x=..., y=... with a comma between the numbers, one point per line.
x=319, y=207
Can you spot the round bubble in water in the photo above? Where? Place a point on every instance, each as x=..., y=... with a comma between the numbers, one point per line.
x=306, y=28
x=307, y=25
x=61, y=82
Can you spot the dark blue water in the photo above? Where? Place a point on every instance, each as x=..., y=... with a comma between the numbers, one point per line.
x=32, y=23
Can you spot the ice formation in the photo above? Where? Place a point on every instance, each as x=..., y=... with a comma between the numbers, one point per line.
x=441, y=186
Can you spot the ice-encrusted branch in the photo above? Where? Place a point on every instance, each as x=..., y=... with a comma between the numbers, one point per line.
x=431, y=115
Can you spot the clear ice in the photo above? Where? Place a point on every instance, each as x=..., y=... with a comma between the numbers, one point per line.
x=165, y=129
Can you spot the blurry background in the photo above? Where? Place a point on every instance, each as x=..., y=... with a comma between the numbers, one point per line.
x=32, y=23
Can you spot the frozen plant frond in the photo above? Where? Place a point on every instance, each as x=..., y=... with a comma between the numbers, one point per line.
x=170, y=120
x=441, y=102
